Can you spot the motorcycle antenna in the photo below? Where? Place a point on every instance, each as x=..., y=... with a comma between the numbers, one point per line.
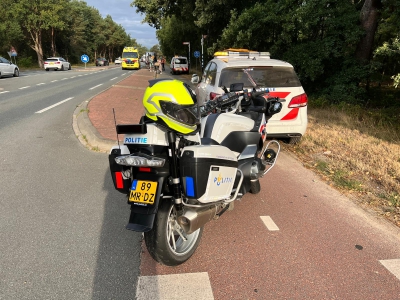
x=251, y=79
x=115, y=123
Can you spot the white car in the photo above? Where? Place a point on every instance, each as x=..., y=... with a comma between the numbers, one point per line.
x=56, y=63
x=276, y=76
x=118, y=61
x=179, y=64
x=7, y=68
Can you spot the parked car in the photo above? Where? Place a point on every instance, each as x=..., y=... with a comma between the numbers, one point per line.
x=179, y=64
x=276, y=76
x=101, y=61
x=118, y=61
x=56, y=63
x=7, y=68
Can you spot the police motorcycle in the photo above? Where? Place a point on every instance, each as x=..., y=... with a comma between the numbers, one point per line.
x=184, y=165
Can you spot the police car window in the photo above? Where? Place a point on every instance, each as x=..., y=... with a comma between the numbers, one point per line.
x=205, y=72
x=212, y=73
x=263, y=76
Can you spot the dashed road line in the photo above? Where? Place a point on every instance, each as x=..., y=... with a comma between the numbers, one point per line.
x=95, y=86
x=54, y=105
x=40, y=83
x=163, y=287
x=4, y=92
x=113, y=78
x=64, y=78
x=24, y=87
x=269, y=223
x=393, y=265
x=54, y=80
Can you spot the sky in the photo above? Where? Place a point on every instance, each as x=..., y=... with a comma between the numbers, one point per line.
x=125, y=15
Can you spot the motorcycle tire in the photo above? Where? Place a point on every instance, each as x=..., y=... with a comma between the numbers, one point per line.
x=163, y=242
x=255, y=187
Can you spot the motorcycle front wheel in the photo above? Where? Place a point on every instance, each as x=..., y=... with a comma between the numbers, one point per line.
x=167, y=243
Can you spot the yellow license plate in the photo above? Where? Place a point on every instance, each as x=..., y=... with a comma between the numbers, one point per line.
x=143, y=191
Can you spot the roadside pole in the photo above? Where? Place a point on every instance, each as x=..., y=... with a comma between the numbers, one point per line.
x=188, y=43
x=202, y=54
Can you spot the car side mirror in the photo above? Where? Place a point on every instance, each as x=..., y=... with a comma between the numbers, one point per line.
x=195, y=78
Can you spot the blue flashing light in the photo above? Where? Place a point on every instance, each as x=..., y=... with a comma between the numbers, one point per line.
x=189, y=186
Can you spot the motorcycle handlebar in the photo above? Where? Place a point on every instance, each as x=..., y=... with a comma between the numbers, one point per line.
x=229, y=99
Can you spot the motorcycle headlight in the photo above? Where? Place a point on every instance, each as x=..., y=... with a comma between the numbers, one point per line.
x=140, y=160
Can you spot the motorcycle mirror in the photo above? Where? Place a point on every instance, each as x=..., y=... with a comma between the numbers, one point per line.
x=195, y=78
x=236, y=87
x=275, y=108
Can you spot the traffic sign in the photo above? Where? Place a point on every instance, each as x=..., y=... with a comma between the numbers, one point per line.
x=196, y=54
x=84, y=58
x=186, y=43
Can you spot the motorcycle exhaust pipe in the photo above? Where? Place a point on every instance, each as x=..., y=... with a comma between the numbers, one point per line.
x=194, y=219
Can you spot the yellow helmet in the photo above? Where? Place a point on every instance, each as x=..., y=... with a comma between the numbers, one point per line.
x=170, y=102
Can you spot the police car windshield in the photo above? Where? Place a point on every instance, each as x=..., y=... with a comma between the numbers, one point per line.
x=130, y=54
x=263, y=76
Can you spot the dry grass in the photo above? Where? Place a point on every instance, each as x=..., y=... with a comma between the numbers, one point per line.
x=354, y=152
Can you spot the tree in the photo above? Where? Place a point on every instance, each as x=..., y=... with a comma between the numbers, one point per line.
x=369, y=21
x=318, y=37
x=36, y=16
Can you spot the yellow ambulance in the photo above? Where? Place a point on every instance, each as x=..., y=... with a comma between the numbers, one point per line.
x=130, y=58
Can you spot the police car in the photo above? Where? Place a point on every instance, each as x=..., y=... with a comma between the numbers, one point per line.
x=276, y=76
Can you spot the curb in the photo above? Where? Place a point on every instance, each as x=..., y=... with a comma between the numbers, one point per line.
x=86, y=133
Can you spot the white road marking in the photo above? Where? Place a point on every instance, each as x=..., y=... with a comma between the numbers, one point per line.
x=175, y=286
x=64, y=78
x=113, y=78
x=54, y=80
x=24, y=87
x=95, y=86
x=79, y=75
x=73, y=77
x=54, y=105
x=4, y=92
x=393, y=265
x=41, y=83
x=123, y=74
x=269, y=223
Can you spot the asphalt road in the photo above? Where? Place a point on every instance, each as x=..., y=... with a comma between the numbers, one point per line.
x=62, y=226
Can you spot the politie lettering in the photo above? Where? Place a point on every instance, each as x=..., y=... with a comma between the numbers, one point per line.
x=138, y=140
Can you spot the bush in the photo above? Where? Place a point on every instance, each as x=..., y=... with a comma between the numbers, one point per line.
x=25, y=62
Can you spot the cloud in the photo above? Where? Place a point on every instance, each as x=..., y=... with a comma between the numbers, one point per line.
x=125, y=15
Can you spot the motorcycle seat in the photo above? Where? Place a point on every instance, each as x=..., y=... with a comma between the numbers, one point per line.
x=208, y=141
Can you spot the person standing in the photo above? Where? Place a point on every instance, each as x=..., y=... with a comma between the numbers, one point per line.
x=154, y=58
x=163, y=63
x=160, y=65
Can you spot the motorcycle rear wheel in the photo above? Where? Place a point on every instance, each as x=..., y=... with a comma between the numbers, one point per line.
x=164, y=243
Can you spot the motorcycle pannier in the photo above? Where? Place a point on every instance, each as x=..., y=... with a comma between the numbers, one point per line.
x=208, y=172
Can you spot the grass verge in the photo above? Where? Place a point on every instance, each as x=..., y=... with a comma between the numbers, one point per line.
x=358, y=152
